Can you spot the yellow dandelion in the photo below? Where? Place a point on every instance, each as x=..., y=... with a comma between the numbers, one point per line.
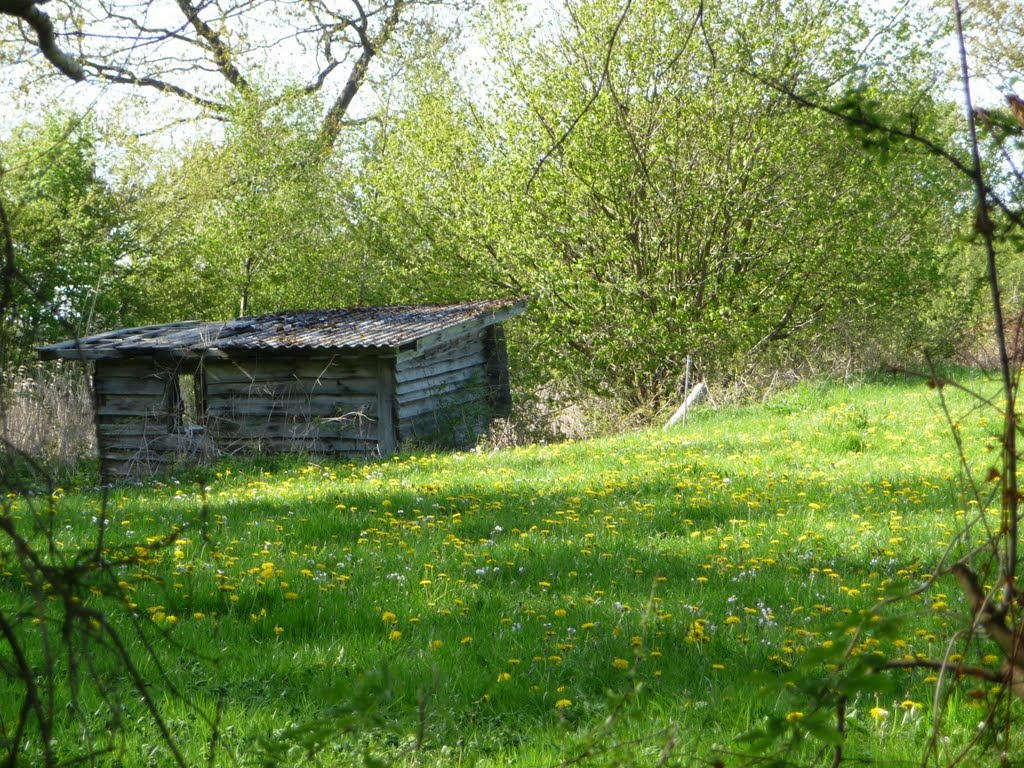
x=504, y=677
x=878, y=713
x=620, y=664
x=563, y=703
x=466, y=640
x=794, y=716
x=435, y=645
x=388, y=617
x=394, y=634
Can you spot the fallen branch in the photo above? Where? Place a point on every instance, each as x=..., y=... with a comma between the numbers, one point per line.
x=696, y=395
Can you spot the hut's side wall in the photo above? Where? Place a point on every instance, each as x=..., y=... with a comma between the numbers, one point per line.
x=442, y=393
x=278, y=403
x=134, y=422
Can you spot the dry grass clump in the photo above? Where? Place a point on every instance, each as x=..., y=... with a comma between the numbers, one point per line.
x=47, y=413
x=548, y=415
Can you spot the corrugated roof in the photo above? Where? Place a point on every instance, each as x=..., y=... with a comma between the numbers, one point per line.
x=351, y=328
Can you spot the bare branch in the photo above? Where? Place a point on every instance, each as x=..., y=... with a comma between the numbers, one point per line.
x=334, y=121
x=115, y=75
x=962, y=670
x=591, y=101
x=222, y=53
x=29, y=12
x=893, y=131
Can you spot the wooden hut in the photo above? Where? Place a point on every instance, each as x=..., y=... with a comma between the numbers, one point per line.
x=365, y=380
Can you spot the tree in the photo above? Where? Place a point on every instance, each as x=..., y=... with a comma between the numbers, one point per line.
x=984, y=551
x=29, y=13
x=208, y=54
x=656, y=202
x=71, y=241
x=994, y=29
x=253, y=224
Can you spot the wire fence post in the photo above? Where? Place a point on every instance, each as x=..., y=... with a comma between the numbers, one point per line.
x=686, y=388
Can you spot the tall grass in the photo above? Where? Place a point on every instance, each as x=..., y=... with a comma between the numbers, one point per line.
x=611, y=602
x=47, y=412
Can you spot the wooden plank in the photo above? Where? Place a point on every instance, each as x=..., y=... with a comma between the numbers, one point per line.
x=387, y=439
x=323, y=446
x=354, y=386
x=140, y=442
x=427, y=367
x=173, y=444
x=443, y=393
x=135, y=400
x=360, y=387
x=150, y=386
x=150, y=408
x=461, y=400
x=262, y=369
x=449, y=349
x=458, y=377
x=137, y=427
x=127, y=368
x=309, y=406
x=71, y=351
x=473, y=325
x=116, y=418
x=140, y=456
x=365, y=429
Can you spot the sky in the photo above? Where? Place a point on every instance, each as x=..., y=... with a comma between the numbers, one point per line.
x=167, y=122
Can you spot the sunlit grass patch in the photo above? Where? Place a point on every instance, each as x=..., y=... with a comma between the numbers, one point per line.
x=532, y=602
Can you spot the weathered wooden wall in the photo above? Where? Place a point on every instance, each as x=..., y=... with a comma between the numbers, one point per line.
x=358, y=402
x=442, y=391
x=314, y=404
x=134, y=421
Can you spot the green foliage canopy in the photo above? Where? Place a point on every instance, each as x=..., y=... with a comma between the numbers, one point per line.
x=254, y=224
x=70, y=242
x=656, y=199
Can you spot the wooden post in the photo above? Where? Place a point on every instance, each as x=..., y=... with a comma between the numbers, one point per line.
x=686, y=387
x=387, y=443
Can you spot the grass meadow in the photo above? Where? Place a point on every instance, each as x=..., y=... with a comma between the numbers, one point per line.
x=636, y=600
